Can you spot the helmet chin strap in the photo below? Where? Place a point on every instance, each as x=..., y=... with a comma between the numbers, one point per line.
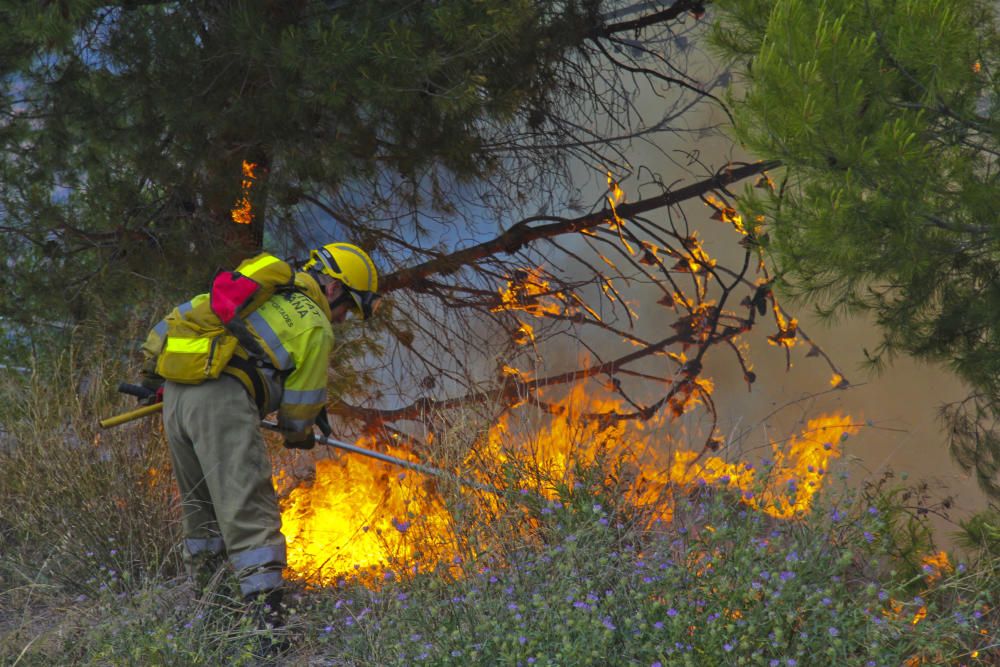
x=344, y=297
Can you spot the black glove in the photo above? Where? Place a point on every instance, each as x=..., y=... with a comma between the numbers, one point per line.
x=308, y=443
x=154, y=398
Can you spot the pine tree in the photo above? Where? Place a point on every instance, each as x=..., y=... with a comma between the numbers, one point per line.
x=130, y=130
x=885, y=116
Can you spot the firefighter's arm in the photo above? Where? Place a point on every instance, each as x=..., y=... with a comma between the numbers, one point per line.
x=305, y=388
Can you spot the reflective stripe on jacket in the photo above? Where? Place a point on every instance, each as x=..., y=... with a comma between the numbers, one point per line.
x=293, y=328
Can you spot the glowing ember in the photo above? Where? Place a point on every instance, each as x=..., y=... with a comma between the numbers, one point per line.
x=242, y=213
x=788, y=328
x=935, y=566
x=726, y=213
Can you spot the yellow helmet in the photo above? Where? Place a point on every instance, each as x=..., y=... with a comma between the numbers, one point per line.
x=353, y=268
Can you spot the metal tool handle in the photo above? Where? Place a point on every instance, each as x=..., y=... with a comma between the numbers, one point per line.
x=129, y=416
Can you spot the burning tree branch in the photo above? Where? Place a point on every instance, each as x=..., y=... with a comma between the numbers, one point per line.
x=525, y=231
x=534, y=305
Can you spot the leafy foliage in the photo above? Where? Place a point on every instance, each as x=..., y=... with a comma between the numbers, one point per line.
x=125, y=125
x=885, y=116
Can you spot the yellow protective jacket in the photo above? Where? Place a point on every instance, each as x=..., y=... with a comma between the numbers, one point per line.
x=293, y=328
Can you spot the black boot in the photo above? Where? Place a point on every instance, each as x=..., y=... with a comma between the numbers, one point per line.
x=269, y=617
x=206, y=572
x=269, y=610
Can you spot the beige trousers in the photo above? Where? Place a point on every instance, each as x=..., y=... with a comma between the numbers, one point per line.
x=224, y=474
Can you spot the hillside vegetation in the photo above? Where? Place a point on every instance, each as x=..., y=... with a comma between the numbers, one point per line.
x=578, y=575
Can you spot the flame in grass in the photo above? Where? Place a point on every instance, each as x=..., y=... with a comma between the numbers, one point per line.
x=360, y=517
x=242, y=213
x=784, y=489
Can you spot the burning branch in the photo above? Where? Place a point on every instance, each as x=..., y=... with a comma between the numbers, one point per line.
x=526, y=232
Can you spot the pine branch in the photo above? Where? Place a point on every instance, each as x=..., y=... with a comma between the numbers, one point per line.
x=523, y=233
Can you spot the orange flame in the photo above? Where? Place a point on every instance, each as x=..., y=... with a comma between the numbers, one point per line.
x=359, y=515
x=936, y=566
x=242, y=213
x=726, y=214
x=530, y=293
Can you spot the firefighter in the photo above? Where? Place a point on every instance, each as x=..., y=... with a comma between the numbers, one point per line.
x=228, y=501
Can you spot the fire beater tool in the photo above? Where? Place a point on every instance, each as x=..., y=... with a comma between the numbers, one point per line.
x=146, y=410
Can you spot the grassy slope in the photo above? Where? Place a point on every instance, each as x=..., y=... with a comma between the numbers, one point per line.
x=89, y=574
